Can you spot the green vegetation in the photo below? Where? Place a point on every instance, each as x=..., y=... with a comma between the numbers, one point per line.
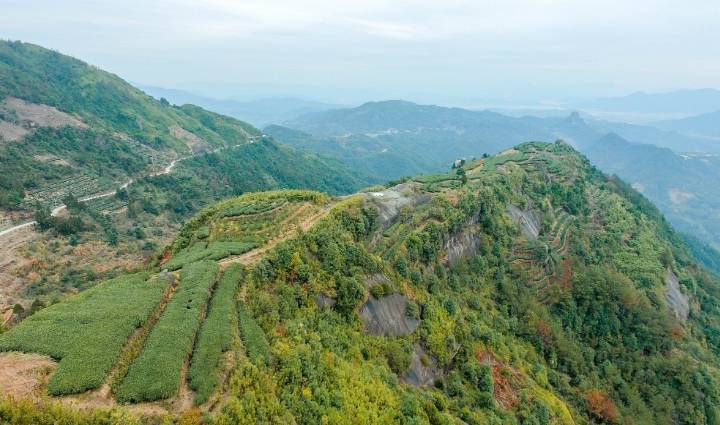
x=208, y=251
x=573, y=326
x=156, y=373
x=391, y=139
x=593, y=341
x=214, y=157
x=238, y=225
x=250, y=207
x=216, y=335
x=253, y=337
x=26, y=412
x=87, y=332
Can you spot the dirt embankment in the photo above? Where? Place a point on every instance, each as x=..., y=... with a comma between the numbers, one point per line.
x=32, y=115
x=23, y=375
x=11, y=261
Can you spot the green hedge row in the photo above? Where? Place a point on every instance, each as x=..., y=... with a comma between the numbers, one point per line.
x=253, y=337
x=215, y=336
x=156, y=373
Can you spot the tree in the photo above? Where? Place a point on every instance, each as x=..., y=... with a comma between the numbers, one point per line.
x=43, y=217
x=296, y=264
x=601, y=406
x=349, y=293
x=461, y=175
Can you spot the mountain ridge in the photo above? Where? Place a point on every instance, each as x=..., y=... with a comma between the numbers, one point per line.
x=72, y=137
x=513, y=310
x=421, y=145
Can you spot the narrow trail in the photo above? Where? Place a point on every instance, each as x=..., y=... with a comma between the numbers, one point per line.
x=167, y=170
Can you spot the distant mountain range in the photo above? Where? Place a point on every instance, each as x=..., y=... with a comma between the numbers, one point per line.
x=703, y=125
x=645, y=106
x=260, y=112
x=394, y=138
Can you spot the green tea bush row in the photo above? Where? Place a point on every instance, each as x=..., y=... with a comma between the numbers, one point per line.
x=185, y=236
x=87, y=332
x=210, y=251
x=253, y=337
x=252, y=207
x=155, y=374
x=215, y=336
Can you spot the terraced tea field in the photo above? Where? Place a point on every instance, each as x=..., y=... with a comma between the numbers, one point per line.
x=162, y=335
x=542, y=258
x=105, y=205
x=242, y=226
x=80, y=186
x=87, y=332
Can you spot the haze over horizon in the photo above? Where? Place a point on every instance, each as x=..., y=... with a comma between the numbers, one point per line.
x=462, y=53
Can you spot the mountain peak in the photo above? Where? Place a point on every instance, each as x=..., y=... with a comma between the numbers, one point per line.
x=575, y=119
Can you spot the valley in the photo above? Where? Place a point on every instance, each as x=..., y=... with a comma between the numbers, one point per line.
x=102, y=175
x=389, y=263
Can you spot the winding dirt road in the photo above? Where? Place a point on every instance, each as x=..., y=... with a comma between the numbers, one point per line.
x=167, y=170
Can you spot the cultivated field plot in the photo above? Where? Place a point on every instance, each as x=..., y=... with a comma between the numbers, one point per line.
x=156, y=373
x=87, y=332
x=216, y=335
x=80, y=185
x=237, y=226
x=151, y=337
x=105, y=205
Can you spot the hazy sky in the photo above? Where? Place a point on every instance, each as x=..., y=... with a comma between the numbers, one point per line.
x=448, y=51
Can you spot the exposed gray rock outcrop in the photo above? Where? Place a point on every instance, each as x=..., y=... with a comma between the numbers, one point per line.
x=461, y=245
x=676, y=300
x=528, y=220
x=423, y=369
x=323, y=301
x=387, y=317
x=391, y=200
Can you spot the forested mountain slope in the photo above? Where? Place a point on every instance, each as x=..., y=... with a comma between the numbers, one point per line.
x=522, y=288
x=394, y=138
x=109, y=173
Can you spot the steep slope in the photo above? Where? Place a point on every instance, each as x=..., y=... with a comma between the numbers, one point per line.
x=523, y=288
x=416, y=138
x=83, y=122
x=108, y=173
x=679, y=185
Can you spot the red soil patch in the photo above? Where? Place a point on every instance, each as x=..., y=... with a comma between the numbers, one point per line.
x=564, y=278
x=506, y=394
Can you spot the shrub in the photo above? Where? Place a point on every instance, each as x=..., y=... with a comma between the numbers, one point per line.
x=412, y=310
x=253, y=337
x=399, y=355
x=377, y=291
x=43, y=413
x=349, y=294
